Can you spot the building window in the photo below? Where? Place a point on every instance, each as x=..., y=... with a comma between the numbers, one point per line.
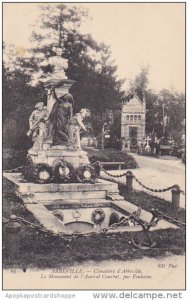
x=139, y=117
x=135, y=118
x=131, y=118
x=127, y=117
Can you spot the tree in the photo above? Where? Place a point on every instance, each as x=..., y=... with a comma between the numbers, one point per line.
x=140, y=83
x=165, y=113
x=165, y=110
x=96, y=85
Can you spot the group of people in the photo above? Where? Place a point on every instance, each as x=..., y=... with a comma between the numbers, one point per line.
x=150, y=146
x=59, y=126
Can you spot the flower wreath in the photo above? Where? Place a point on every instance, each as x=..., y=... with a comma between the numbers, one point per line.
x=64, y=171
x=36, y=172
x=98, y=216
x=86, y=174
x=38, y=169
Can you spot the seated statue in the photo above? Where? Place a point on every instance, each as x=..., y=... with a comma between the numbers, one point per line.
x=37, y=125
x=75, y=126
x=61, y=112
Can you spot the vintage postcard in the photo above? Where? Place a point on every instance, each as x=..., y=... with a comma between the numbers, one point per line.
x=93, y=146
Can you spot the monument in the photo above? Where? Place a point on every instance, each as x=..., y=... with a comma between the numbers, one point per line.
x=51, y=126
x=58, y=185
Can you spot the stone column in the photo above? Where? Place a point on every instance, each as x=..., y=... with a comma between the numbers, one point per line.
x=13, y=229
x=176, y=197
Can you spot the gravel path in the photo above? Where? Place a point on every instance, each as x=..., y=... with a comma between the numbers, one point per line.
x=158, y=174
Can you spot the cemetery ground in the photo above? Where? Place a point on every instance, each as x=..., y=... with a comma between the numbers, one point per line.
x=41, y=250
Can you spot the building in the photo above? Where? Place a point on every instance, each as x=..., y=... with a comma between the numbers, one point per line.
x=133, y=120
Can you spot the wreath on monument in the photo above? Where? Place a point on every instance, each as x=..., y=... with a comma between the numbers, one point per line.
x=42, y=173
x=64, y=171
x=98, y=216
x=86, y=174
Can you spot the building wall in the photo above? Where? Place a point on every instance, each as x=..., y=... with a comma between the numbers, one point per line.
x=133, y=115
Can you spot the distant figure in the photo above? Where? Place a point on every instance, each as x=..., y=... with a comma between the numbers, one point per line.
x=157, y=146
x=123, y=144
x=139, y=146
x=75, y=125
x=129, y=145
x=152, y=145
x=60, y=115
x=142, y=147
x=37, y=124
x=147, y=148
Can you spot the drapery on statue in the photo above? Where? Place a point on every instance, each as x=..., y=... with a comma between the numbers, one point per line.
x=75, y=125
x=61, y=113
x=59, y=65
x=37, y=125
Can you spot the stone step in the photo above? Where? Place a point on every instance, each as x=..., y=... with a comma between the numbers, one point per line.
x=72, y=204
x=80, y=195
x=26, y=188
x=45, y=217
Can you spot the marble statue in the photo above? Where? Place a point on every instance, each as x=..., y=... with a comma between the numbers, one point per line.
x=75, y=126
x=37, y=125
x=55, y=131
x=61, y=113
x=59, y=65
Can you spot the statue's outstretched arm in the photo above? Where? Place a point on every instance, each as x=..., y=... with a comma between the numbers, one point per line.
x=31, y=119
x=79, y=120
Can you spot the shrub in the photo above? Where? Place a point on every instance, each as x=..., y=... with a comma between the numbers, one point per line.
x=109, y=155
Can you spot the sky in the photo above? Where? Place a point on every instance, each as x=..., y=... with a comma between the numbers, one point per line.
x=140, y=35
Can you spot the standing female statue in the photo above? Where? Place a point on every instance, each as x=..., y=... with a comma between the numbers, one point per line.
x=60, y=114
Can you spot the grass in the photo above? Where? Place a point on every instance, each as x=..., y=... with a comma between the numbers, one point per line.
x=149, y=202
x=39, y=250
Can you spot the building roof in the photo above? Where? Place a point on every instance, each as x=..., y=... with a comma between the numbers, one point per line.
x=134, y=104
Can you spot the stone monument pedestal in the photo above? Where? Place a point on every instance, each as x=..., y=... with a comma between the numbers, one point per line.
x=75, y=208
x=53, y=153
x=49, y=153
x=61, y=86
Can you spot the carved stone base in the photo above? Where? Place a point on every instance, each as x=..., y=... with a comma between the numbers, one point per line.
x=76, y=203
x=49, y=156
x=61, y=84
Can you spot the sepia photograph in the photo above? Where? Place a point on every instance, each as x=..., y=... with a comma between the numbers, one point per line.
x=93, y=146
